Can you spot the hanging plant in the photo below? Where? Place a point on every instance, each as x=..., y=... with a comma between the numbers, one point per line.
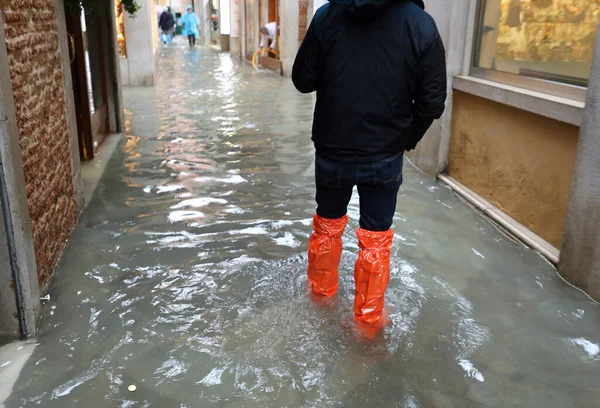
x=94, y=7
x=131, y=7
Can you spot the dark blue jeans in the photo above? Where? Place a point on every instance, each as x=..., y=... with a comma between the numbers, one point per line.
x=378, y=184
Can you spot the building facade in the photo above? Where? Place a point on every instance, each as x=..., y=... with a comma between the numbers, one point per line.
x=48, y=54
x=518, y=73
x=511, y=136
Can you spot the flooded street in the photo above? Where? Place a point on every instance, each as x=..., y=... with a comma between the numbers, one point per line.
x=186, y=277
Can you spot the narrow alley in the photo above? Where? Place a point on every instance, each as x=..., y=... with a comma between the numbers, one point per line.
x=186, y=276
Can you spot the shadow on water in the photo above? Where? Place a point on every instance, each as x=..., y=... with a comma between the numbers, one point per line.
x=186, y=277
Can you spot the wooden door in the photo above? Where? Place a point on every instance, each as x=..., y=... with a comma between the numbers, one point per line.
x=88, y=71
x=274, y=16
x=80, y=93
x=273, y=12
x=95, y=36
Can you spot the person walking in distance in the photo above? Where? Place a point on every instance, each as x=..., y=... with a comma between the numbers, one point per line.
x=190, y=23
x=378, y=67
x=166, y=24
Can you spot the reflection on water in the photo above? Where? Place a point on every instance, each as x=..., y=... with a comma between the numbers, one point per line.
x=186, y=277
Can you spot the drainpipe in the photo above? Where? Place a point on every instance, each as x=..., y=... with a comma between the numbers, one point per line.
x=12, y=252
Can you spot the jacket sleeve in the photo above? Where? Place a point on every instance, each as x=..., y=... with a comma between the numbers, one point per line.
x=430, y=96
x=304, y=72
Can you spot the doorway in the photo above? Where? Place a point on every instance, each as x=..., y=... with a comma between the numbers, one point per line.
x=88, y=36
x=273, y=11
x=258, y=13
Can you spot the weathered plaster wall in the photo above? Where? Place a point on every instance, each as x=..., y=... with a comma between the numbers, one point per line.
x=519, y=161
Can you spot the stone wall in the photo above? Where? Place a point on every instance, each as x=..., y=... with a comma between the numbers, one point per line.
x=302, y=19
x=33, y=49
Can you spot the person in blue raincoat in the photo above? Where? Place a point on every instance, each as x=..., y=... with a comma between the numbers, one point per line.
x=190, y=24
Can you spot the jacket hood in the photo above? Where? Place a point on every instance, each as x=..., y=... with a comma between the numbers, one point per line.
x=367, y=9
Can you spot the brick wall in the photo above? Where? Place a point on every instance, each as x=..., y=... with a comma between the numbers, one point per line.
x=302, y=19
x=36, y=71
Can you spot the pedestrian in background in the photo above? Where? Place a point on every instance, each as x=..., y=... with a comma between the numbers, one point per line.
x=268, y=36
x=174, y=20
x=190, y=24
x=378, y=67
x=166, y=24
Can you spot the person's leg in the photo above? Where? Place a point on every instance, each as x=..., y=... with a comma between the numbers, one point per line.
x=377, y=206
x=193, y=39
x=190, y=36
x=271, y=52
x=325, y=244
x=378, y=189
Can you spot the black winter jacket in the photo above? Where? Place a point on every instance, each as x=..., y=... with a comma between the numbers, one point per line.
x=166, y=21
x=379, y=70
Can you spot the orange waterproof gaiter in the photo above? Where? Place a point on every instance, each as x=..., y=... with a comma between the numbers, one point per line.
x=372, y=275
x=324, y=254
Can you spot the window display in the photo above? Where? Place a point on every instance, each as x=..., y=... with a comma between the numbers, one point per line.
x=120, y=15
x=548, y=39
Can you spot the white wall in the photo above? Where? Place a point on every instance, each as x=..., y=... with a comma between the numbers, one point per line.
x=455, y=20
x=317, y=4
x=179, y=6
x=225, y=18
x=204, y=16
x=235, y=16
x=263, y=13
x=440, y=11
x=288, y=43
x=141, y=36
x=236, y=25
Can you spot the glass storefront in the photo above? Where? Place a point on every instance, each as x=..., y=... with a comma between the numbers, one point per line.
x=545, y=39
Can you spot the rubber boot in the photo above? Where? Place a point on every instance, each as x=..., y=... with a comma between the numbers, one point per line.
x=324, y=254
x=371, y=276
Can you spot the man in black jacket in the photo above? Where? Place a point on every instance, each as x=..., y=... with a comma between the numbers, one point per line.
x=166, y=22
x=378, y=67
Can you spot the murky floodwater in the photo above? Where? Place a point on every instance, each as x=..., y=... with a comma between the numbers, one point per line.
x=186, y=277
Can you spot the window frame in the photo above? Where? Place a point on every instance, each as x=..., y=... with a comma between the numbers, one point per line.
x=561, y=89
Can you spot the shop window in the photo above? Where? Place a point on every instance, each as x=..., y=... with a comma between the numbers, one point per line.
x=550, y=40
x=120, y=24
